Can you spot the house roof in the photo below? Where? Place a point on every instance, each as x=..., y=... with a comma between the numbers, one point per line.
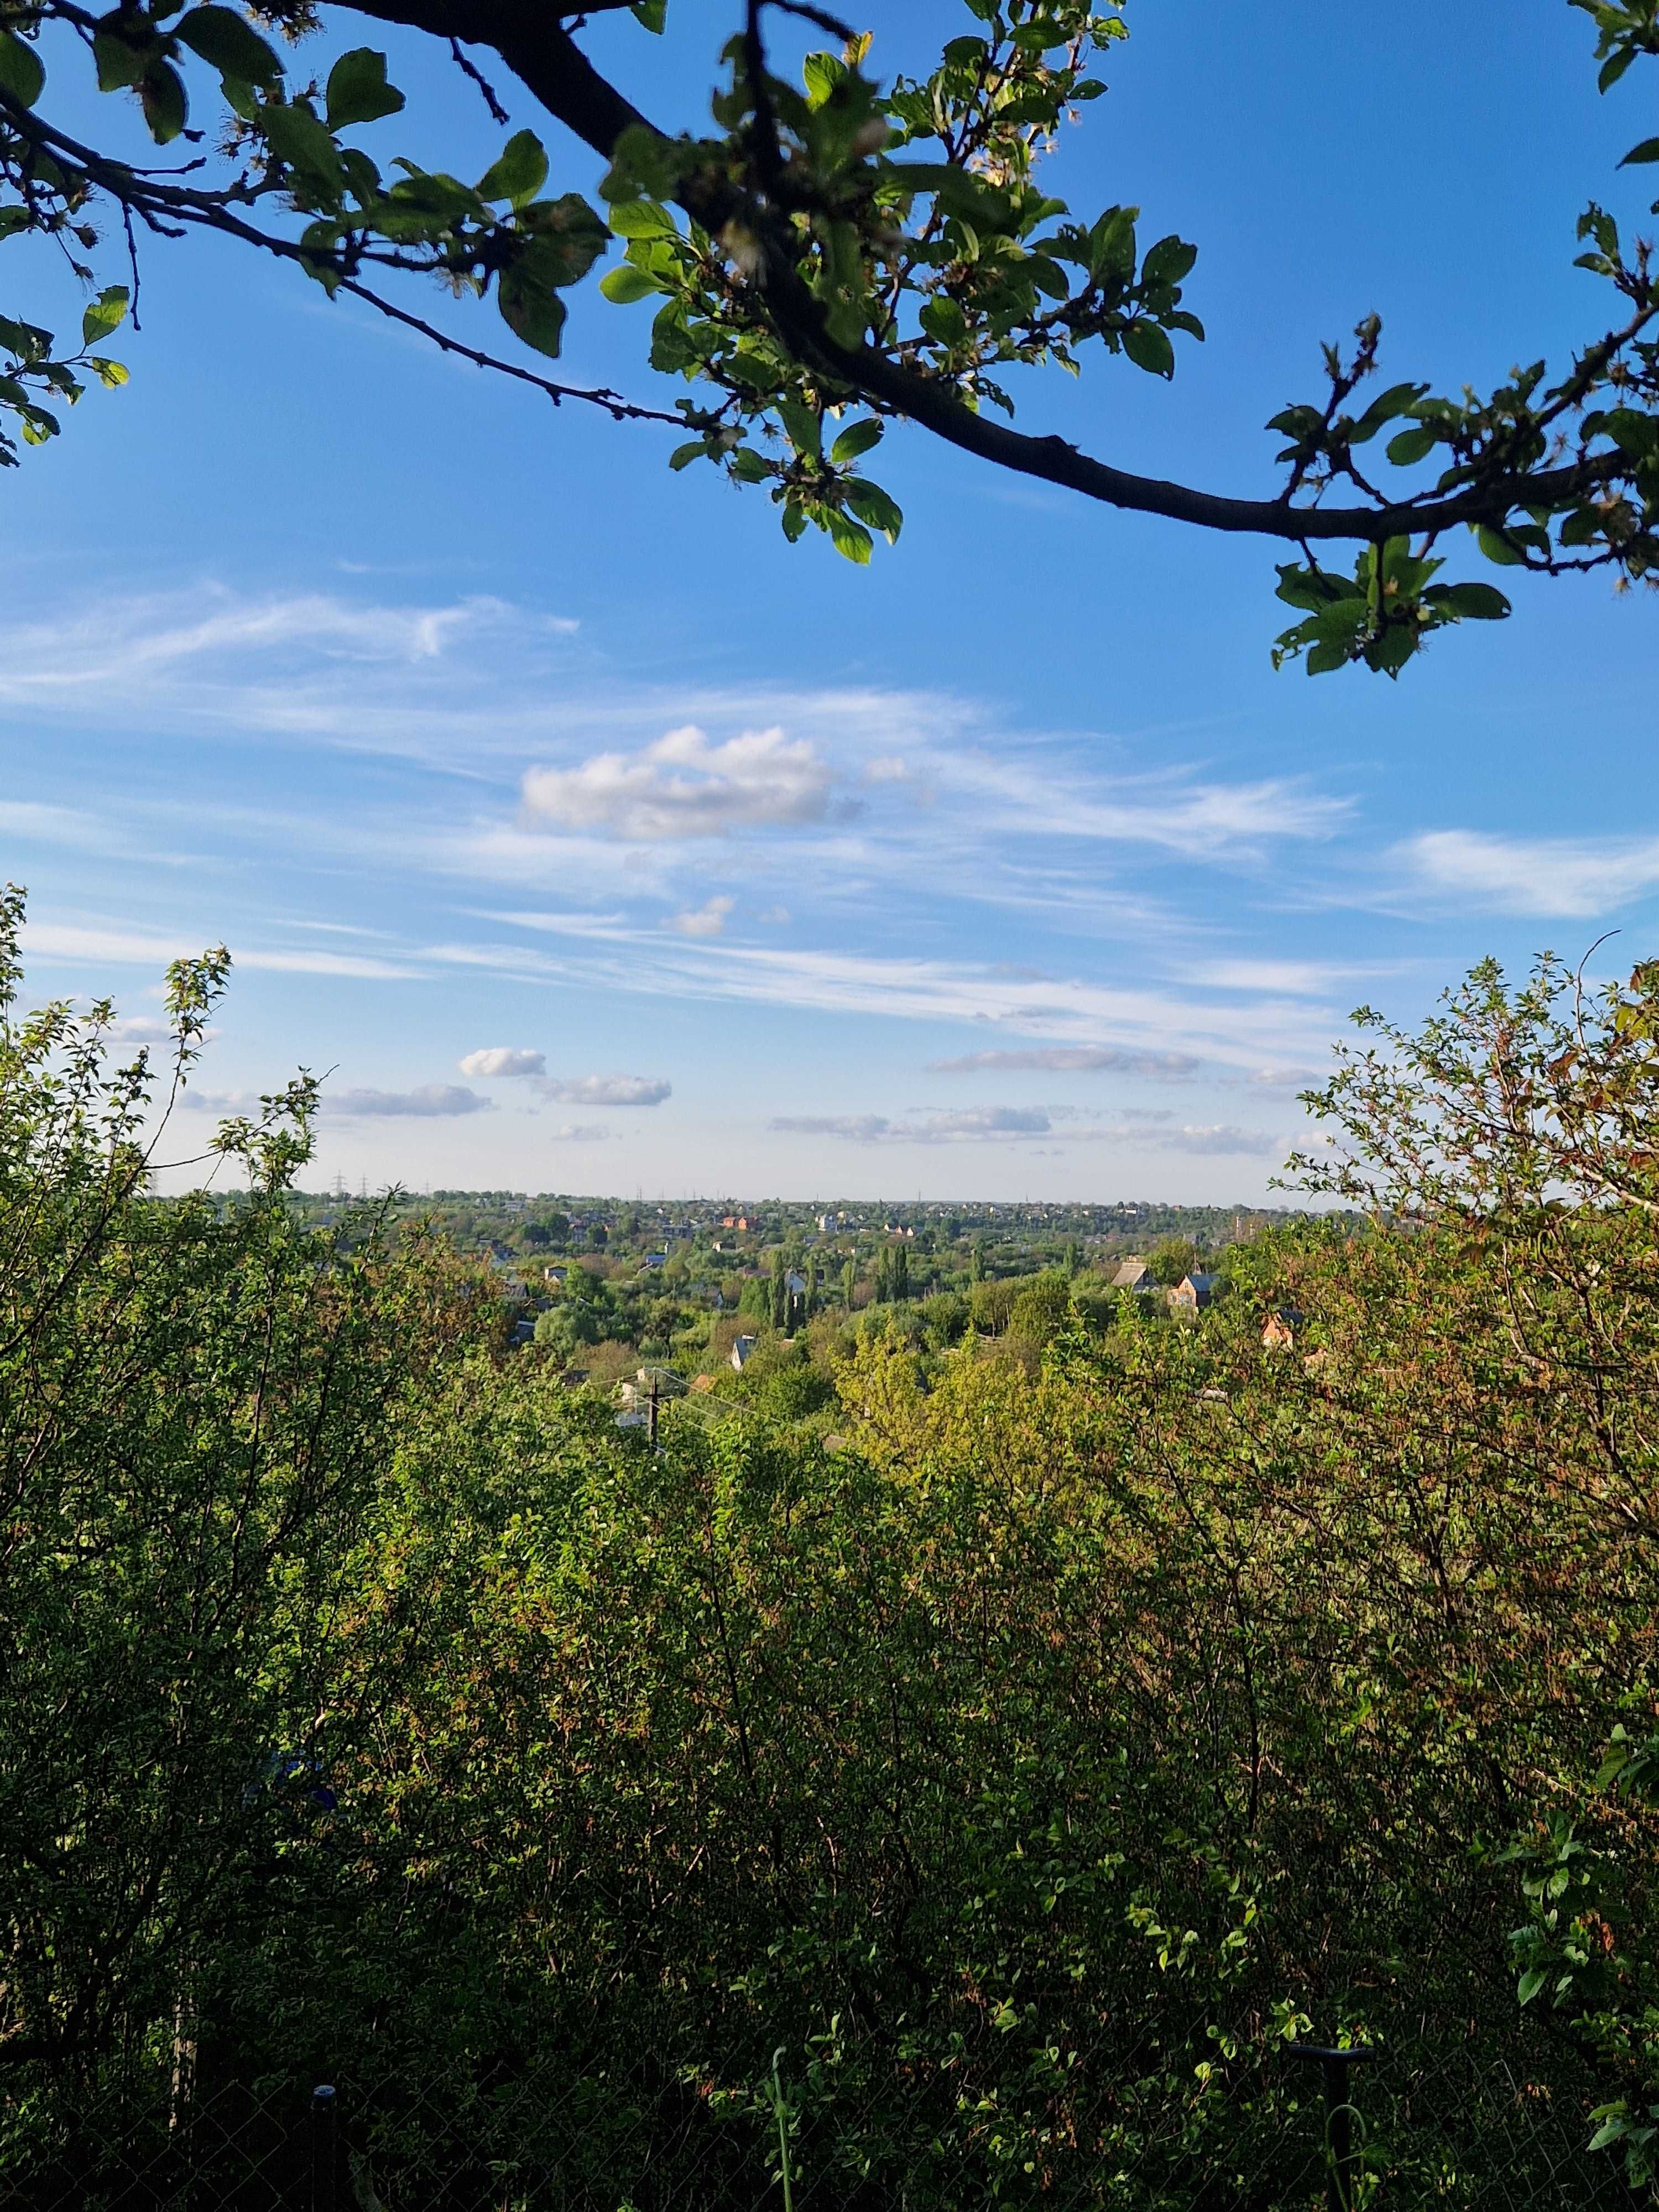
x=1131, y=1273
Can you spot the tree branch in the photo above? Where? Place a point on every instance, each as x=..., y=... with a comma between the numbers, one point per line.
x=541, y=53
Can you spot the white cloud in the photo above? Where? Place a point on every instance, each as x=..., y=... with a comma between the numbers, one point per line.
x=504, y=1060
x=686, y=786
x=49, y=941
x=140, y=1029
x=775, y=916
x=1116, y=1060
x=974, y=1124
x=861, y=1128
x=427, y=1102
x=606, y=1090
x=1566, y=877
x=580, y=1133
x=705, y=920
x=1220, y=1138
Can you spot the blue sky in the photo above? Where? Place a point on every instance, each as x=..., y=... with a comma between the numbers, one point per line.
x=597, y=840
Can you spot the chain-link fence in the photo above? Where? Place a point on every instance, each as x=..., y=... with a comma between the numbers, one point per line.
x=1234, y=2123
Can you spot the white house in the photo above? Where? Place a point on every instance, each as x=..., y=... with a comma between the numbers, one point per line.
x=741, y=1350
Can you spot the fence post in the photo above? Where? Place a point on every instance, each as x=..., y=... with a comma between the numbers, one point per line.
x=324, y=2157
x=1333, y=2063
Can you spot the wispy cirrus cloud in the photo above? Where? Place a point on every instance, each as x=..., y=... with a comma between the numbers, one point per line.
x=80, y=942
x=1553, y=877
x=427, y=1102
x=1113, y=1060
x=974, y=1124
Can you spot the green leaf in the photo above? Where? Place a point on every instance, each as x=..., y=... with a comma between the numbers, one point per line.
x=518, y=172
x=358, y=91
x=1168, y=262
x=1468, y=602
x=1384, y=409
x=1529, y=1984
x=852, y=541
x=112, y=374
x=857, y=438
x=1149, y=347
x=531, y=311
x=295, y=136
x=161, y=96
x=653, y=13
x=821, y=74
x=806, y=430
x=683, y=456
x=642, y=219
x=121, y=62
x=872, y=505
x=107, y=312
x=625, y=284
x=230, y=43
x=1498, y=549
x=22, y=73
x=1413, y=446
x=1647, y=151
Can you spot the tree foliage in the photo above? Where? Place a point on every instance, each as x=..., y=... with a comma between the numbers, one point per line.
x=836, y=253
x=1027, y=1744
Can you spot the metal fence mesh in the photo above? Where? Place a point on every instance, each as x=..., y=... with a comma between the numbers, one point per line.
x=1233, y=2123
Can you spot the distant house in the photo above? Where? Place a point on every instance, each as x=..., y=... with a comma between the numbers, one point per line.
x=741, y=1350
x=829, y=1223
x=1134, y=1275
x=743, y=1222
x=795, y=1285
x=1193, y=1292
x=555, y=1274
x=653, y=1260
x=524, y=1331
x=1281, y=1327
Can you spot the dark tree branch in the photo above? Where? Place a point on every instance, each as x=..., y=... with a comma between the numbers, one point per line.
x=136, y=192
x=541, y=53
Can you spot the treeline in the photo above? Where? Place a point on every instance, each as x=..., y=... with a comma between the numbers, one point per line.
x=1025, y=1733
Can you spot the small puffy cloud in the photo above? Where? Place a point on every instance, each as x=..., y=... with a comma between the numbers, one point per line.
x=607, y=1089
x=139, y=1028
x=504, y=1060
x=890, y=769
x=427, y=1102
x=860, y=1128
x=705, y=920
x=980, y=1122
x=580, y=1133
x=1221, y=1138
x=1116, y=1060
x=686, y=786
x=776, y=915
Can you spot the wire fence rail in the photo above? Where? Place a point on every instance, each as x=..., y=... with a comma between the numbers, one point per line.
x=1270, y=2128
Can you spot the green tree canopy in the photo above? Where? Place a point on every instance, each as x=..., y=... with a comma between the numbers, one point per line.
x=833, y=255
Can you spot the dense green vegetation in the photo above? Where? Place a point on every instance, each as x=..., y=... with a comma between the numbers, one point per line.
x=1025, y=1729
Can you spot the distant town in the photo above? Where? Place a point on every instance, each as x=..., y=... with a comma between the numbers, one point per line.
x=610, y=1290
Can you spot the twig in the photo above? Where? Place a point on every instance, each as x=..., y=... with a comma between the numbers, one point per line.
x=498, y=113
